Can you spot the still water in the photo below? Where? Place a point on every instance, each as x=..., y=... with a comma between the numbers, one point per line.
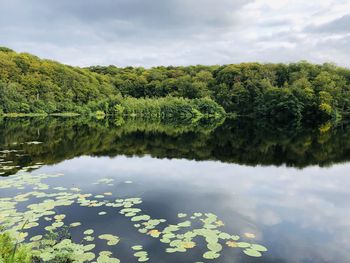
x=231, y=189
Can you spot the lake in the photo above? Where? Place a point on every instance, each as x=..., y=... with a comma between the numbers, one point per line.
x=229, y=191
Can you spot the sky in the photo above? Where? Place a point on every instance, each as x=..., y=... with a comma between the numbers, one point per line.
x=178, y=32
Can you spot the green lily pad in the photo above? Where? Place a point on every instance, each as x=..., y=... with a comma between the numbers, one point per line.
x=111, y=240
x=88, y=232
x=181, y=215
x=252, y=253
x=258, y=247
x=137, y=247
x=36, y=238
x=140, y=218
x=210, y=255
x=243, y=244
x=75, y=224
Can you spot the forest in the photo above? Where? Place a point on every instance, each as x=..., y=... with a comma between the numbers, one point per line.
x=280, y=92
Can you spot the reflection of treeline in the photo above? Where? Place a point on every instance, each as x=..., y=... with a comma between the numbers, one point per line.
x=264, y=144
x=233, y=142
x=168, y=127
x=66, y=138
x=298, y=91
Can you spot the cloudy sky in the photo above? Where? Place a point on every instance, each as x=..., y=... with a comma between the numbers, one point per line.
x=178, y=32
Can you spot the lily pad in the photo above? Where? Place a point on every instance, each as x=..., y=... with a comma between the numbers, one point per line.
x=88, y=232
x=252, y=253
x=111, y=240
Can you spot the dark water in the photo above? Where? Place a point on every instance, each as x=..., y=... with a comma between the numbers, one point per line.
x=286, y=188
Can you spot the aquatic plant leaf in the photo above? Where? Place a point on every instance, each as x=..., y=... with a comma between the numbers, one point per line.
x=107, y=259
x=86, y=257
x=224, y=236
x=88, y=232
x=181, y=215
x=140, y=253
x=210, y=255
x=57, y=224
x=111, y=240
x=258, y=247
x=140, y=218
x=189, y=245
x=215, y=247
x=184, y=224
x=243, y=244
x=137, y=247
x=89, y=238
x=252, y=253
x=105, y=253
x=75, y=224
x=142, y=256
x=36, y=238
x=89, y=247
x=154, y=233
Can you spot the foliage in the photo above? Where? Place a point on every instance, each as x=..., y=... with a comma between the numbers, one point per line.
x=29, y=84
x=10, y=253
x=171, y=108
x=56, y=247
x=64, y=251
x=296, y=91
x=118, y=109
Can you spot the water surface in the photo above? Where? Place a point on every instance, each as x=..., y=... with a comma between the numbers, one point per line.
x=285, y=188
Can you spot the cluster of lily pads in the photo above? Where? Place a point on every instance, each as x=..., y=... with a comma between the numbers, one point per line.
x=180, y=237
x=140, y=254
x=41, y=200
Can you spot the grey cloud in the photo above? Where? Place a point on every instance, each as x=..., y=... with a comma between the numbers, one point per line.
x=123, y=18
x=276, y=23
x=337, y=26
x=122, y=32
x=167, y=32
x=285, y=36
x=111, y=27
x=153, y=13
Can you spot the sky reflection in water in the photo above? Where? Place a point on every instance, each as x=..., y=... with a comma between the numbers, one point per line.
x=300, y=215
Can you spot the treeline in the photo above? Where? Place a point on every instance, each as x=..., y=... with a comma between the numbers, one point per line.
x=31, y=85
x=279, y=92
x=274, y=91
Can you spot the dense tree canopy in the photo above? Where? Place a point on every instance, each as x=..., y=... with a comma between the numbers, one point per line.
x=298, y=91
x=29, y=84
x=278, y=91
